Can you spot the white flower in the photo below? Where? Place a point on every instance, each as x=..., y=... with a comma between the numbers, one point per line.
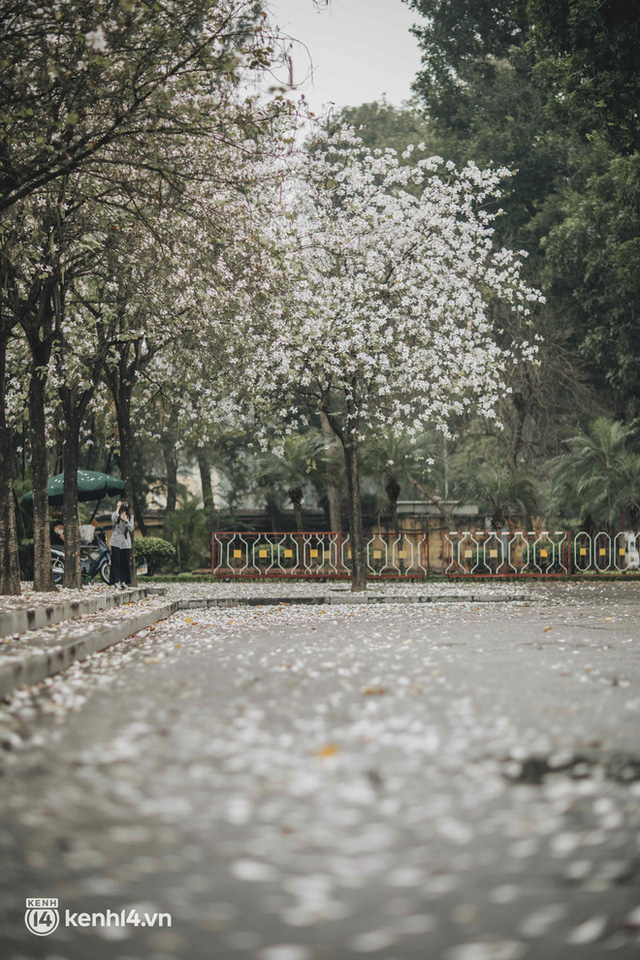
x=96, y=40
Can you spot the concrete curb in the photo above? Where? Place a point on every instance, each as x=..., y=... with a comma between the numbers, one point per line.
x=226, y=602
x=16, y=622
x=44, y=658
x=48, y=657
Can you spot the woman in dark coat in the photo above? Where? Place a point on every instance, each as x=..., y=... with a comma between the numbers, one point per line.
x=120, y=545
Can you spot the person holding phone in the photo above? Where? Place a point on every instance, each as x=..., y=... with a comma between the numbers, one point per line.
x=120, y=545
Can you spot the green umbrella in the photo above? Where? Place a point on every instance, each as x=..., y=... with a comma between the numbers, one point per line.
x=91, y=486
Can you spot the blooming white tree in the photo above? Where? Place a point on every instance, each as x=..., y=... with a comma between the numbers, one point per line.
x=388, y=319
x=142, y=98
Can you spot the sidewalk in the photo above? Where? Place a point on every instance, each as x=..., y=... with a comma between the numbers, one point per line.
x=31, y=611
x=31, y=656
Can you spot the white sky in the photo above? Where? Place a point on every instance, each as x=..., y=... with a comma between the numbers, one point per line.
x=360, y=49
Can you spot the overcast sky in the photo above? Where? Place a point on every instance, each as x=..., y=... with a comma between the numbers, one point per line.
x=360, y=49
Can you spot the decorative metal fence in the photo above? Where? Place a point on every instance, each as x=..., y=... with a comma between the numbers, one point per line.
x=549, y=553
x=318, y=555
x=406, y=555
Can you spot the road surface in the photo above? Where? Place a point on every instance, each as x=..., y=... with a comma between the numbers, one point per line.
x=402, y=782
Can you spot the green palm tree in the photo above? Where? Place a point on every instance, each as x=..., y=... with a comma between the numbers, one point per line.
x=287, y=469
x=627, y=493
x=596, y=477
x=500, y=491
x=392, y=462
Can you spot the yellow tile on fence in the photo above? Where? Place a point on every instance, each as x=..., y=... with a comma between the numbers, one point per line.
x=288, y=553
x=544, y=553
x=262, y=553
x=468, y=554
x=402, y=554
x=349, y=554
x=377, y=554
x=237, y=554
x=313, y=553
x=602, y=551
x=621, y=551
x=583, y=551
x=493, y=553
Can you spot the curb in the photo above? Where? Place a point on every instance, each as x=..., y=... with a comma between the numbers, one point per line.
x=48, y=657
x=52, y=657
x=226, y=602
x=14, y=622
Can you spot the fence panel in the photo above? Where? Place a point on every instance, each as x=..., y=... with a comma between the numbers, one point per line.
x=310, y=555
x=240, y=554
x=488, y=554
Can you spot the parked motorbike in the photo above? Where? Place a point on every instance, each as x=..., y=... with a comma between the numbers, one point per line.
x=96, y=562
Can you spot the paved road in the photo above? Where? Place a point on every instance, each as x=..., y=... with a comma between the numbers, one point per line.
x=408, y=782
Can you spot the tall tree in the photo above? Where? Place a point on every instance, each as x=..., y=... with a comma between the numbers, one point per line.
x=549, y=89
x=390, y=302
x=37, y=278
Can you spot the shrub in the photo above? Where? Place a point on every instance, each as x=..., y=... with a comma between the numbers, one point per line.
x=156, y=551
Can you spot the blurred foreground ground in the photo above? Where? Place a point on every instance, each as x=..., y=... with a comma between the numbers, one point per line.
x=406, y=782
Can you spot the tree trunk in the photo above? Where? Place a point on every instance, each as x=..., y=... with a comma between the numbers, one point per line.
x=72, y=567
x=42, y=571
x=517, y=433
x=137, y=512
x=392, y=489
x=359, y=574
x=333, y=490
x=295, y=495
x=207, y=498
x=9, y=556
x=171, y=467
x=446, y=512
x=498, y=520
x=96, y=451
x=125, y=433
x=274, y=514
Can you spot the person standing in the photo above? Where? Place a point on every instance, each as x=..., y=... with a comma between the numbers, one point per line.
x=120, y=545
